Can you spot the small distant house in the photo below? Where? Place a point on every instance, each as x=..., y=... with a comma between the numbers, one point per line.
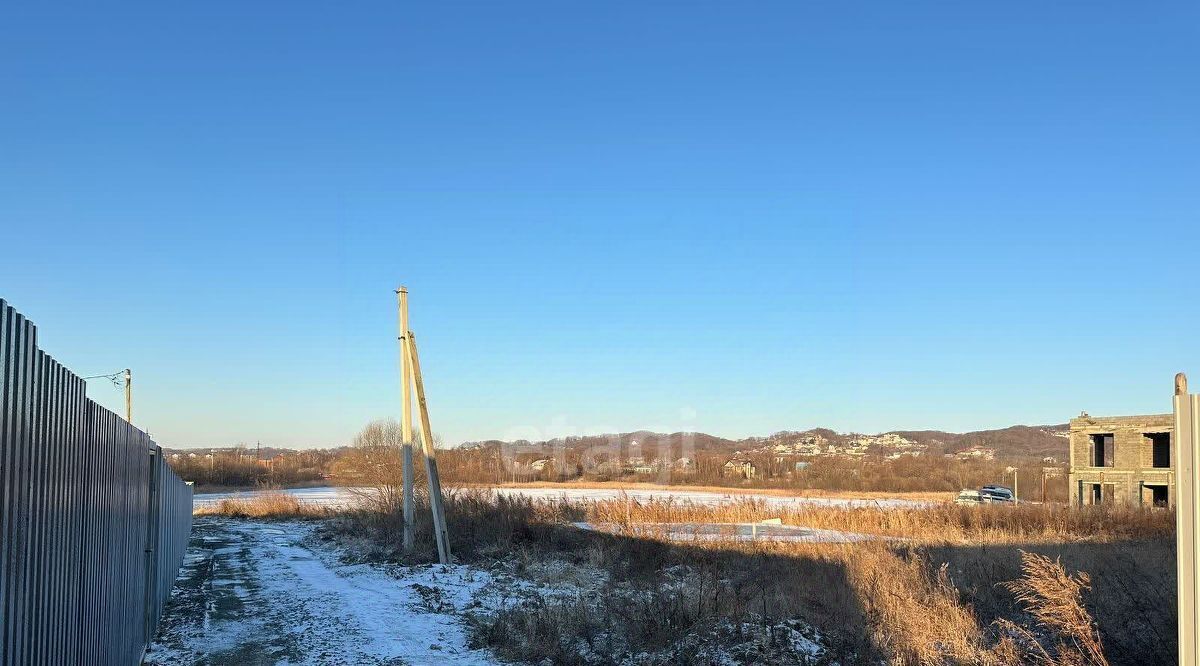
x=740, y=467
x=684, y=464
x=976, y=453
x=270, y=463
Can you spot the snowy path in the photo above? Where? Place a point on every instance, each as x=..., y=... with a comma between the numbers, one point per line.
x=253, y=592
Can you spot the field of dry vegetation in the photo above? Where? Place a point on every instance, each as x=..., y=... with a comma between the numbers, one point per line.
x=942, y=585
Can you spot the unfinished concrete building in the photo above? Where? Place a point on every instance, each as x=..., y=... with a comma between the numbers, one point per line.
x=1123, y=460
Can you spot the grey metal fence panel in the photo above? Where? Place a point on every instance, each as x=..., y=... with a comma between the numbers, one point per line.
x=93, y=522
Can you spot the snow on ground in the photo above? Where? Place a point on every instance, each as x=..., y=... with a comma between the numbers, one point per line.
x=333, y=497
x=267, y=592
x=253, y=592
x=700, y=532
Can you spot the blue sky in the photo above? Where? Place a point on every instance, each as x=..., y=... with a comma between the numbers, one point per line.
x=714, y=216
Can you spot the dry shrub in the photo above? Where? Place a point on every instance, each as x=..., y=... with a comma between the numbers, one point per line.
x=1132, y=598
x=542, y=630
x=568, y=631
x=1054, y=599
x=480, y=523
x=691, y=600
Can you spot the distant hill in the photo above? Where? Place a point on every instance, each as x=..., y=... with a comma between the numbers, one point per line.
x=1013, y=442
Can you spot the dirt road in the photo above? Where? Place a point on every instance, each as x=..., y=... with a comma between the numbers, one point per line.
x=253, y=592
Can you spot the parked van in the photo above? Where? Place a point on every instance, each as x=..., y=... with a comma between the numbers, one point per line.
x=993, y=494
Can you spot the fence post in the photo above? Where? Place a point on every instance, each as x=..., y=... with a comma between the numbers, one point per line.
x=152, y=555
x=1187, y=438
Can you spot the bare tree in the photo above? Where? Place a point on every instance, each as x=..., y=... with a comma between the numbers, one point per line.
x=373, y=468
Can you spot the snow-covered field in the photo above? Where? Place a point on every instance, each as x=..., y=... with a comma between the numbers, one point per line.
x=270, y=593
x=328, y=496
x=333, y=496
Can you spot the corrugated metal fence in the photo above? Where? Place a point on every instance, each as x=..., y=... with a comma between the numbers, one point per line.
x=93, y=523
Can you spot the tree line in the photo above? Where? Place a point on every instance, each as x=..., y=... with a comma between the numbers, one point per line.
x=375, y=455
x=241, y=467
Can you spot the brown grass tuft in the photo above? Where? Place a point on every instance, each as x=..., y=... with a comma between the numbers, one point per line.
x=276, y=505
x=915, y=614
x=1055, y=600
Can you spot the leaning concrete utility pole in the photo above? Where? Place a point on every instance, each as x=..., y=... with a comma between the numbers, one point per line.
x=128, y=396
x=406, y=422
x=435, y=483
x=1187, y=480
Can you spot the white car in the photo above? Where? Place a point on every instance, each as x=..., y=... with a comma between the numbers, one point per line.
x=969, y=498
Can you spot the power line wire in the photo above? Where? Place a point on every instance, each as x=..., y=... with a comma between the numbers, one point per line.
x=115, y=378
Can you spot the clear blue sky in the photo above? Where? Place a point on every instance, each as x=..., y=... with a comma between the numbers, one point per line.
x=727, y=217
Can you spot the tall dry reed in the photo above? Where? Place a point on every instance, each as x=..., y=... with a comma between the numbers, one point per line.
x=935, y=523
x=1054, y=599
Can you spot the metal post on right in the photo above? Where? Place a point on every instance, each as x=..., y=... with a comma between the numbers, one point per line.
x=1187, y=447
x=128, y=396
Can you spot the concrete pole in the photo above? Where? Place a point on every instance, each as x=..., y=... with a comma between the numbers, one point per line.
x=435, y=484
x=406, y=423
x=128, y=396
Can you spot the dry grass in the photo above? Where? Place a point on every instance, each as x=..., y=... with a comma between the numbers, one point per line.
x=272, y=505
x=917, y=599
x=964, y=586
x=935, y=524
x=918, y=496
x=915, y=615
